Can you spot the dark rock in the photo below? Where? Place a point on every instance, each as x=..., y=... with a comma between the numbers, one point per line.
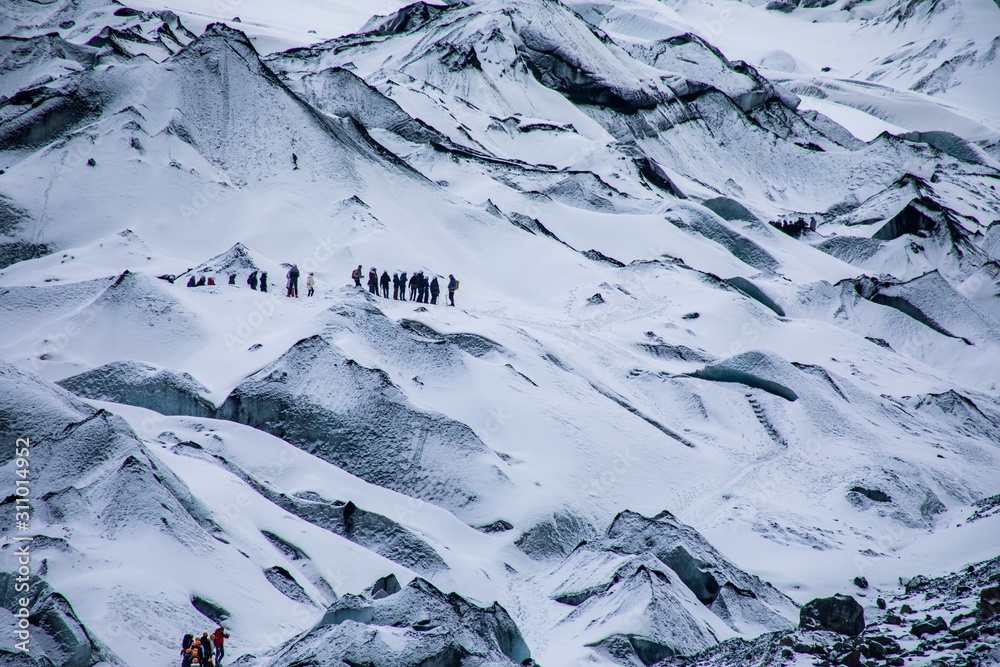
x=498, y=526
x=872, y=494
x=840, y=613
x=283, y=580
x=929, y=627
x=383, y=587
x=916, y=583
x=596, y=299
x=599, y=256
x=989, y=604
x=690, y=316
x=861, y=582
x=209, y=609
x=906, y=609
x=880, y=603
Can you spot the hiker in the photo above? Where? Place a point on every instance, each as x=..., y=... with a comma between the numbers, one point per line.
x=263, y=281
x=373, y=281
x=293, y=281
x=232, y=278
x=206, y=645
x=435, y=290
x=425, y=288
x=219, y=638
x=252, y=280
x=192, y=282
x=211, y=280
x=385, y=284
x=413, y=286
x=452, y=288
x=186, y=656
x=201, y=282
x=295, y=162
x=310, y=284
x=356, y=274
x=402, y=286
x=395, y=287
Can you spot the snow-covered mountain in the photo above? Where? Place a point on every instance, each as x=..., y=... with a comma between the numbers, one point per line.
x=715, y=352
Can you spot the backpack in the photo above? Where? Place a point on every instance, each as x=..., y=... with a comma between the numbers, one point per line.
x=455, y=288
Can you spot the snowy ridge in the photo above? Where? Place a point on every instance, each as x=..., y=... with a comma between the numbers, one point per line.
x=714, y=354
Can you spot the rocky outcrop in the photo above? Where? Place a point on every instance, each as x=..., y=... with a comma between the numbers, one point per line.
x=840, y=613
x=414, y=625
x=356, y=418
x=144, y=385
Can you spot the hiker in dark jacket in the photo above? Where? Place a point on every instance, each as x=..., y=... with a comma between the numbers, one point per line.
x=435, y=290
x=192, y=282
x=201, y=282
x=395, y=287
x=425, y=281
x=452, y=287
x=385, y=284
x=293, y=281
x=232, y=278
x=413, y=286
x=402, y=286
x=186, y=656
x=373, y=281
x=252, y=280
x=263, y=281
x=356, y=274
x=207, y=648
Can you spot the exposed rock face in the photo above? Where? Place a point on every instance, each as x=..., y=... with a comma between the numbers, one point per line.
x=145, y=385
x=355, y=417
x=840, y=613
x=929, y=627
x=57, y=637
x=415, y=625
x=689, y=594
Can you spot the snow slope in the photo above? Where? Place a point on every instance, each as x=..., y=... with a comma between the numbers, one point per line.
x=653, y=423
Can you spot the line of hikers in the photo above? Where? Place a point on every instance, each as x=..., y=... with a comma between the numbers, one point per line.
x=291, y=281
x=204, y=650
x=422, y=289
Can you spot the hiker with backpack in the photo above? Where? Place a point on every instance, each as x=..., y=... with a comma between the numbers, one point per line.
x=395, y=287
x=373, y=281
x=402, y=286
x=356, y=274
x=187, y=654
x=452, y=288
x=219, y=638
x=263, y=281
x=252, y=280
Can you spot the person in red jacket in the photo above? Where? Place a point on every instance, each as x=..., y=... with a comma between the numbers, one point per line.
x=219, y=638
